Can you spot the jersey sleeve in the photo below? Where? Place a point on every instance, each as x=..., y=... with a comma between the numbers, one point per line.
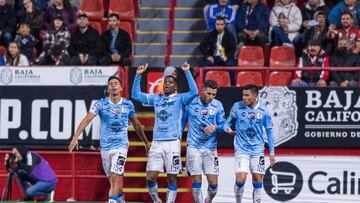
x=269, y=132
x=141, y=96
x=94, y=109
x=220, y=118
x=193, y=91
x=131, y=110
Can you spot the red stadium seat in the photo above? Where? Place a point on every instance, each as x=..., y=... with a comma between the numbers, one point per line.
x=280, y=78
x=96, y=25
x=125, y=8
x=249, y=77
x=127, y=27
x=251, y=56
x=281, y=56
x=2, y=50
x=221, y=77
x=94, y=9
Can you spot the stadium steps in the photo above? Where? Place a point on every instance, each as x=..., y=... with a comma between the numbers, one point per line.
x=151, y=33
x=189, y=30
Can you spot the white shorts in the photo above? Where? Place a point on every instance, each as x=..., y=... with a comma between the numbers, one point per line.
x=165, y=153
x=114, y=160
x=247, y=163
x=202, y=160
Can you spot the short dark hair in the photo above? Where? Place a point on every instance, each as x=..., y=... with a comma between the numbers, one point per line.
x=171, y=76
x=114, y=15
x=211, y=84
x=347, y=13
x=114, y=77
x=221, y=18
x=253, y=88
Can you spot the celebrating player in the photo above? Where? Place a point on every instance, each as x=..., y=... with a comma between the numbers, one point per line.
x=115, y=112
x=250, y=118
x=165, y=148
x=206, y=117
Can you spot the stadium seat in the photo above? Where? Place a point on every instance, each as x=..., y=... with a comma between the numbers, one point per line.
x=280, y=78
x=2, y=50
x=96, y=25
x=127, y=27
x=282, y=56
x=221, y=77
x=249, y=77
x=125, y=8
x=251, y=56
x=94, y=9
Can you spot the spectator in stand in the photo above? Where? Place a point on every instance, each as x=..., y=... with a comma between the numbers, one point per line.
x=26, y=41
x=334, y=17
x=253, y=22
x=64, y=9
x=225, y=10
x=346, y=30
x=33, y=16
x=7, y=22
x=285, y=22
x=344, y=57
x=117, y=44
x=218, y=46
x=313, y=56
x=309, y=22
x=14, y=57
x=57, y=56
x=41, y=4
x=85, y=45
x=58, y=35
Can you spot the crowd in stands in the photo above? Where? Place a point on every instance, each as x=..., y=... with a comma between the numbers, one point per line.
x=322, y=34
x=56, y=32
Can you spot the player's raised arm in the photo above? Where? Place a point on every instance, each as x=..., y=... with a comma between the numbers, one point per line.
x=136, y=89
x=193, y=91
x=85, y=122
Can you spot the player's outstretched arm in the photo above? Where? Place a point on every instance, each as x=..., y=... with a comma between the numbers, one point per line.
x=136, y=89
x=74, y=142
x=193, y=90
x=140, y=132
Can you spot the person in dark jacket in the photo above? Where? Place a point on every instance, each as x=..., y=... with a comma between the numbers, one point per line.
x=344, y=57
x=313, y=56
x=253, y=23
x=33, y=16
x=117, y=44
x=7, y=22
x=85, y=45
x=27, y=41
x=31, y=168
x=64, y=9
x=219, y=46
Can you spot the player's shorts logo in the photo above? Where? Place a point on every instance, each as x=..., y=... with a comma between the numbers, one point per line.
x=6, y=76
x=281, y=104
x=283, y=181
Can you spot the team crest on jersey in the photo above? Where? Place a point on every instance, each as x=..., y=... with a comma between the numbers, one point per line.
x=251, y=116
x=203, y=112
x=212, y=112
x=163, y=115
x=281, y=104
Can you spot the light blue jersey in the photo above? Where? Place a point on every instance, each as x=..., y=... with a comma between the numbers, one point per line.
x=114, y=122
x=249, y=125
x=200, y=116
x=169, y=110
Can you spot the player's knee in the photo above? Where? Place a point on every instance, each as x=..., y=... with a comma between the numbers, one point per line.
x=241, y=178
x=151, y=176
x=172, y=179
x=196, y=179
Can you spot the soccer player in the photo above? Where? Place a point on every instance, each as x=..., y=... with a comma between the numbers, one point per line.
x=206, y=117
x=165, y=148
x=250, y=118
x=115, y=112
